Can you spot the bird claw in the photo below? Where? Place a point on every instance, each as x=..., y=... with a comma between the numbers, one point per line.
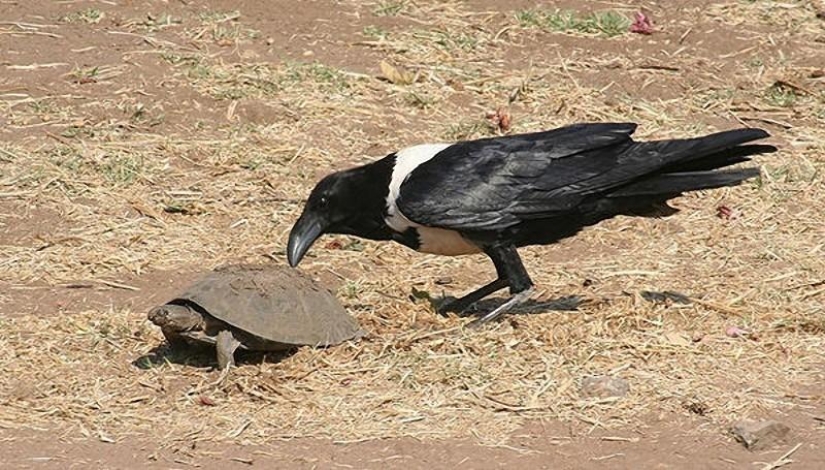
x=511, y=303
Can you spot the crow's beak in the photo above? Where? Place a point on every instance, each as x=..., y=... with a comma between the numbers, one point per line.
x=304, y=233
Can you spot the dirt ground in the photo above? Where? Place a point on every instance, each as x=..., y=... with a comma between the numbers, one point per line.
x=662, y=445
x=145, y=142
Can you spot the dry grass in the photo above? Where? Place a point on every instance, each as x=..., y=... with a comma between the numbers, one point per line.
x=119, y=187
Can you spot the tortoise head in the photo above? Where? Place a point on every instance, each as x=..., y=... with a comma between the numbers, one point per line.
x=175, y=317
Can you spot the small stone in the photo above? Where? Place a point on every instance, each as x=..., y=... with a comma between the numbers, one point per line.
x=444, y=281
x=759, y=434
x=604, y=387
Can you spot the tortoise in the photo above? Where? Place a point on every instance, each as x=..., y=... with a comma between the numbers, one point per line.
x=256, y=308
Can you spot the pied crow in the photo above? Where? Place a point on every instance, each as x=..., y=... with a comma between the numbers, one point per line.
x=494, y=195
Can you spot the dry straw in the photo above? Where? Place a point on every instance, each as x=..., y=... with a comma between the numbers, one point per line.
x=102, y=182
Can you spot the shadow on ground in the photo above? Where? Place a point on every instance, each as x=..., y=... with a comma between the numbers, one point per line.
x=203, y=357
x=530, y=307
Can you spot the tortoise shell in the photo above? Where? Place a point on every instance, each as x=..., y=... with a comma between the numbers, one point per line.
x=274, y=303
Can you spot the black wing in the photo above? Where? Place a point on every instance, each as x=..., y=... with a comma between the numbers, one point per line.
x=493, y=184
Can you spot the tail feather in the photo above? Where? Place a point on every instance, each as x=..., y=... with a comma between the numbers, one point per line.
x=691, y=150
x=645, y=161
x=677, y=183
x=721, y=159
x=694, y=164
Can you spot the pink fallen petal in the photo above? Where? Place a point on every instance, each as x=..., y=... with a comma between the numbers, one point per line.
x=736, y=332
x=642, y=24
x=726, y=213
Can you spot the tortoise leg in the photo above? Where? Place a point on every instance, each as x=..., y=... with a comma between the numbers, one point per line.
x=226, y=346
x=174, y=339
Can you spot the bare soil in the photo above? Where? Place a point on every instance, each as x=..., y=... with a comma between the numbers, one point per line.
x=660, y=444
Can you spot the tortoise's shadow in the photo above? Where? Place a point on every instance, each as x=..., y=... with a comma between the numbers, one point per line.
x=568, y=303
x=204, y=357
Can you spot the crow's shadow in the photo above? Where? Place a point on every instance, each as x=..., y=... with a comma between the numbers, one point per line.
x=531, y=307
x=203, y=357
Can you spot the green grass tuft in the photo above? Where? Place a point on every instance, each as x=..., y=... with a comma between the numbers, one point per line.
x=390, y=7
x=88, y=16
x=606, y=23
x=780, y=96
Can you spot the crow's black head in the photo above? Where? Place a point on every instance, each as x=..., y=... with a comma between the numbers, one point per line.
x=347, y=202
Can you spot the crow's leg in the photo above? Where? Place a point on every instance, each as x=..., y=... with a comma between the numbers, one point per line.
x=507, y=259
x=462, y=304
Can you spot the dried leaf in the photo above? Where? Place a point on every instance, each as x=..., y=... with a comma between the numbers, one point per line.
x=642, y=24
x=146, y=210
x=504, y=121
x=736, y=332
x=455, y=84
x=205, y=401
x=725, y=212
x=396, y=75
x=500, y=119
x=334, y=245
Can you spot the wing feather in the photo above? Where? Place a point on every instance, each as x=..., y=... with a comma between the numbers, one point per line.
x=491, y=184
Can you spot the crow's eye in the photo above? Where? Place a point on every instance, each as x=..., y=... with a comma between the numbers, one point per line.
x=324, y=201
